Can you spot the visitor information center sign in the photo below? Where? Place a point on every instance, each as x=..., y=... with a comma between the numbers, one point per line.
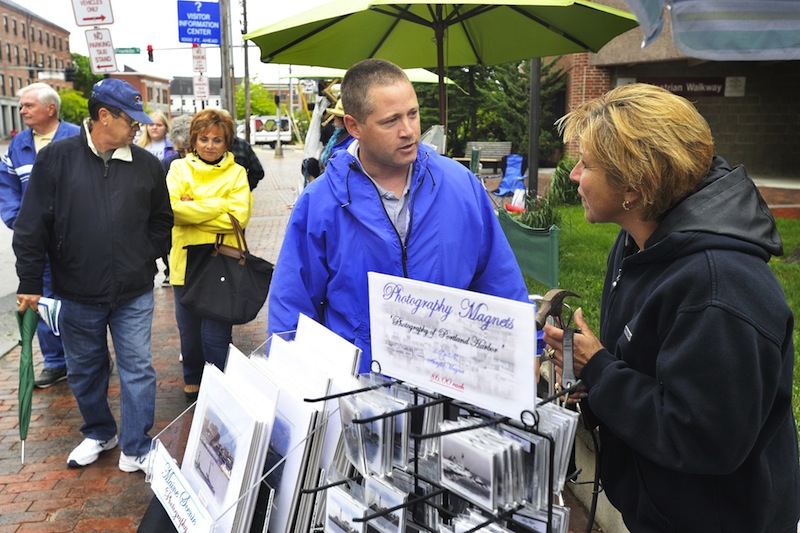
x=199, y=22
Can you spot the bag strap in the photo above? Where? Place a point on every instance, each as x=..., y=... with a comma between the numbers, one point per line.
x=239, y=252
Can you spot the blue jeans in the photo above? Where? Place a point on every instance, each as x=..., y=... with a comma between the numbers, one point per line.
x=84, y=332
x=51, y=346
x=202, y=340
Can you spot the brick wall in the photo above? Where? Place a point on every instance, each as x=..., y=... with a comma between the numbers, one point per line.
x=585, y=82
x=760, y=129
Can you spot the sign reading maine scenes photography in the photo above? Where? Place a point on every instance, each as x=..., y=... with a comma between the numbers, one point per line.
x=472, y=347
x=175, y=493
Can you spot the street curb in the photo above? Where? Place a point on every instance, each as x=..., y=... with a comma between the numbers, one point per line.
x=9, y=328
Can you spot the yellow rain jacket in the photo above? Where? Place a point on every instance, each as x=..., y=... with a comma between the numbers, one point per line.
x=215, y=191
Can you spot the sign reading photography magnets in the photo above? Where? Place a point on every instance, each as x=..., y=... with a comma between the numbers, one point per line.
x=199, y=22
x=468, y=346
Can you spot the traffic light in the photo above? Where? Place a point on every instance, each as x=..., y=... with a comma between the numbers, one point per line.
x=150, y=53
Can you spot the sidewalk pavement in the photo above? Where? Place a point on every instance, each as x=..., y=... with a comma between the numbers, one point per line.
x=43, y=495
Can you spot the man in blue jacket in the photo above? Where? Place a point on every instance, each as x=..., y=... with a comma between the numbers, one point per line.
x=39, y=107
x=386, y=204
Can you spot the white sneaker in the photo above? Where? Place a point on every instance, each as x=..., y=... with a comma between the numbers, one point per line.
x=132, y=463
x=89, y=450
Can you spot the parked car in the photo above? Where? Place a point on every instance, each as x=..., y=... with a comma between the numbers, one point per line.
x=264, y=130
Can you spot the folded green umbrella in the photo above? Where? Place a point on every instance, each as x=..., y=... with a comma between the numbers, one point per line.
x=27, y=329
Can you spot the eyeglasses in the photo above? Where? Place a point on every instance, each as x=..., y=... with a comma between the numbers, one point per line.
x=131, y=123
x=181, y=151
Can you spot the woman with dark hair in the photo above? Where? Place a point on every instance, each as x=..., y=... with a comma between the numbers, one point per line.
x=204, y=188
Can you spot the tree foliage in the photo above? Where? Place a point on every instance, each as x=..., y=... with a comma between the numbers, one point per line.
x=74, y=106
x=493, y=105
x=84, y=78
x=262, y=101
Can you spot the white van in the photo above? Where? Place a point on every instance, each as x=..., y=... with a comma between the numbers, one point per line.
x=264, y=130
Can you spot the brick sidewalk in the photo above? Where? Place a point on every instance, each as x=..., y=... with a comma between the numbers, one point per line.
x=43, y=495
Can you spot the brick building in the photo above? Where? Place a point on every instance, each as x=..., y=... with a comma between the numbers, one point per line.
x=155, y=90
x=31, y=49
x=752, y=106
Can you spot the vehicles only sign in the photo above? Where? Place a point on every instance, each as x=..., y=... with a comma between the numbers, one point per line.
x=101, y=51
x=92, y=12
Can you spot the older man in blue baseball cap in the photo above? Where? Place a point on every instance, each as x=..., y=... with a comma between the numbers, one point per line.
x=99, y=207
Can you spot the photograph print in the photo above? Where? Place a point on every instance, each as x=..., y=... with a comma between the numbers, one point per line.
x=374, y=435
x=382, y=496
x=467, y=470
x=340, y=511
x=214, y=458
x=351, y=434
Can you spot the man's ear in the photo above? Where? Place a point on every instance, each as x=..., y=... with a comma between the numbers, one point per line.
x=352, y=126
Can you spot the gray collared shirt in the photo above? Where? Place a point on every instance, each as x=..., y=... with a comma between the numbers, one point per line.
x=396, y=208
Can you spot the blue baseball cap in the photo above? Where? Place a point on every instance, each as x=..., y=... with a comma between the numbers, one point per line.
x=121, y=94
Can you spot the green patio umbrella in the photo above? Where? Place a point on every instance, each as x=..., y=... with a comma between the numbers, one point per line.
x=27, y=329
x=438, y=34
x=415, y=75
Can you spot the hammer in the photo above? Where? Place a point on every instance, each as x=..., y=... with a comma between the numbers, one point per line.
x=552, y=305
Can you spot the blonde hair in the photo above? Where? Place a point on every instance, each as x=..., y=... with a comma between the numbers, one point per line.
x=156, y=116
x=645, y=139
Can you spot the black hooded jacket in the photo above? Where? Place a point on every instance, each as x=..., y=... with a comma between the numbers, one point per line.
x=693, y=390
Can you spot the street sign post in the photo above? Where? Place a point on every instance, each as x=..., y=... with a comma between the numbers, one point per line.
x=101, y=51
x=199, y=22
x=92, y=12
x=199, y=59
x=128, y=50
x=201, y=89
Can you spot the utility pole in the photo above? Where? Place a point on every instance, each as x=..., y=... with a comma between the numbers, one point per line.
x=246, y=75
x=227, y=84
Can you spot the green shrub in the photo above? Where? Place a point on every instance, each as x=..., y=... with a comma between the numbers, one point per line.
x=561, y=189
x=540, y=212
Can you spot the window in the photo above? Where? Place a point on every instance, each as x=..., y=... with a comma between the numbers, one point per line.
x=5, y=23
x=2, y=85
x=8, y=52
x=25, y=56
x=40, y=36
x=22, y=30
x=33, y=37
x=49, y=62
x=60, y=44
x=47, y=38
x=16, y=53
x=14, y=26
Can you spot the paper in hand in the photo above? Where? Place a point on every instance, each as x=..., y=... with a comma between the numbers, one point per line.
x=49, y=309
